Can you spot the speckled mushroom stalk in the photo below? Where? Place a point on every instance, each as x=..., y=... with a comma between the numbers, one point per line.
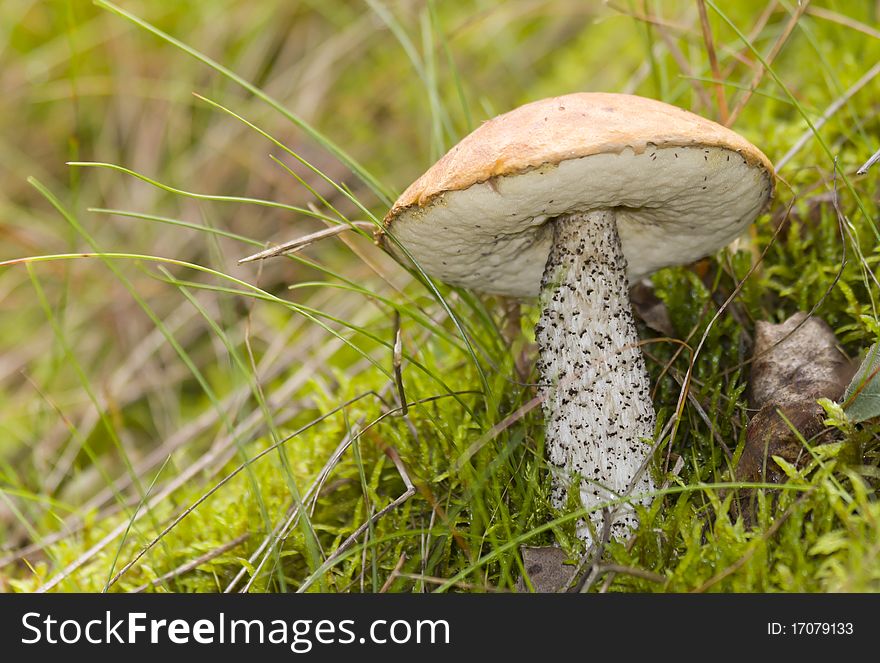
x=594, y=386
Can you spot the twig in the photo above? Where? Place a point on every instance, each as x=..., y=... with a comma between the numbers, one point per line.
x=594, y=554
x=870, y=162
x=632, y=571
x=395, y=573
x=593, y=576
x=300, y=243
x=676, y=470
x=434, y=580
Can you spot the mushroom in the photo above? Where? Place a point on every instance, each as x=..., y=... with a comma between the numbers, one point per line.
x=572, y=198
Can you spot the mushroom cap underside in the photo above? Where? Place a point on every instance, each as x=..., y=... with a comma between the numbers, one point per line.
x=681, y=187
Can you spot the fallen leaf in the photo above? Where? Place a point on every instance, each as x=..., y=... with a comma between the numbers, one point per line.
x=771, y=432
x=795, y=363
x=650, y=308
x=797, y=360
x=546, y=568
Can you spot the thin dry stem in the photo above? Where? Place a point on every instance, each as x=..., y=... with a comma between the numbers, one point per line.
x=713, y=62
x=300, y=243
x=761, y=67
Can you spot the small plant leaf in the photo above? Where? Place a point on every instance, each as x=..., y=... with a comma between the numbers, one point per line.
x=861, y=400
x=790, y=469
x=830, y=543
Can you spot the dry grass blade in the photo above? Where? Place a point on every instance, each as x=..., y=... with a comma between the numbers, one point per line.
x=409, y=492
x=496, y=430
x=685, y=66
x=214, y=489
x=91, y=552
x=273, y=364
x=645, y=17
x=395, y=573
x=282, y=530
x=195, y=563
x=372, y=520
x=713, y=62
x=874, y=158
x=760, y=24
x=300, y=243
x=761, y=69
x=218, y=456
x=185, y=476
x=124, y=388
x=832, y=109
x=834, y=17
x=688, y=376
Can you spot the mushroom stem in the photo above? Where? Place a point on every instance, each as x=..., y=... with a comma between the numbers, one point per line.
x=594, y=386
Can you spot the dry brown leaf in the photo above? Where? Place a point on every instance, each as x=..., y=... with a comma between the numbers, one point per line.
x=650, y=308
x=795, y=363
x=797, y=360
x=546, y=569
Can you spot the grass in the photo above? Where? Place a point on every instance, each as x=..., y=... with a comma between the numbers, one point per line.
x=173, y=421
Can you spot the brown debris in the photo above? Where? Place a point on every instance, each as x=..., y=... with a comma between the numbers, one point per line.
x=796, y=360
x=650, y=308
x=768, y=435
x=795, y=363
x=546, y=569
